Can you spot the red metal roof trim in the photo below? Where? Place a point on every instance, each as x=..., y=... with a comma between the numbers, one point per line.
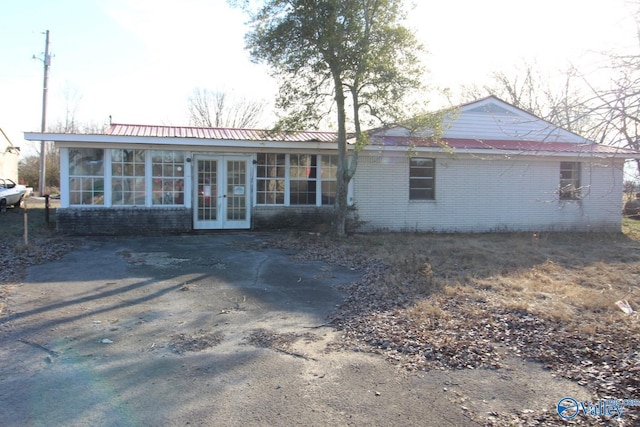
x=218, y=133
x=501, y=145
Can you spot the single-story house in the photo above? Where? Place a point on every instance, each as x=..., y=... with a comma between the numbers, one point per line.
x=501, y=169
x=9, y=154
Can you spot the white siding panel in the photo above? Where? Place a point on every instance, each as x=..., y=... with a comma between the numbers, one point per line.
x=492, y=119
x=506, y=127
x=477, y=195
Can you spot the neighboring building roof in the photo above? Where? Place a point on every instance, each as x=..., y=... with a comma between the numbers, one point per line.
x=218, y=133
x=8, y=147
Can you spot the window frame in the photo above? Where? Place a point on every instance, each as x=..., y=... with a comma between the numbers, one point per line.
x=89, y=176
x=316, y=178
x=167, y=189
x=136, y=191
x=279, y=182
x=70, y=172
x=570, y=186
x=415, y=178
x=304, y=173
x=328, y=175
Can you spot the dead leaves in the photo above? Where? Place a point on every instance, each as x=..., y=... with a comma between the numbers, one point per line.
x=181, y=343
x=281, y=342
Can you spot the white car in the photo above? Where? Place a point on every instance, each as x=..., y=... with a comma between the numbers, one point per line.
x=11, y=194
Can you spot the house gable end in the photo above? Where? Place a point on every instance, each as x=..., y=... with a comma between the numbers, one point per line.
x=491, y=119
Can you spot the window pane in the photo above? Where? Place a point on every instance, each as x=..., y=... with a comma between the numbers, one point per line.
x=329, y=192
x=302, y=166
x=329, y=166
x=91, y=191
x=421, y=168
x=302, y=193
x=86, y=161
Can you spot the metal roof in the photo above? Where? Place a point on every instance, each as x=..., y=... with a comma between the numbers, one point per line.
x=532, y=147
x=9, y=147
x=218, y=133
x=253, y=136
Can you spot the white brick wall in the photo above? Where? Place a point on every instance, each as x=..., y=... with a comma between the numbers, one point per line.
x=487, y=194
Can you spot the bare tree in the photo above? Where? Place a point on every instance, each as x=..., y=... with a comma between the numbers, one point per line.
x=70, y=123
x=216, y=109
x=607, y=115
x=558, y=101
x=28, y=166
x=617, y=108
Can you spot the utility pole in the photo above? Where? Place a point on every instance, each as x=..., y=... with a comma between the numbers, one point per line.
x=43, y=127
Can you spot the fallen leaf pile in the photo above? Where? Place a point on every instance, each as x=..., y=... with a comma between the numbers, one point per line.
x=181, y=343
x=14, y=259
x=270, y=339
x=281, y=342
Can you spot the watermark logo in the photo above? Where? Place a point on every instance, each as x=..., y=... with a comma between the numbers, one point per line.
x=569, y=408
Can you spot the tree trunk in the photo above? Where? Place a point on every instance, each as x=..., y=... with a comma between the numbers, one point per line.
x=341, y=208
x=342, y=175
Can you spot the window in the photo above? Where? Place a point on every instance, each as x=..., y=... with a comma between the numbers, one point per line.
x=270, y=179
x=296, y=179
x=328, y=171
x=422, y=173
x=167, y=174
x=569, y=181
x=86, y=176
x=302, y=179
x=127, y=183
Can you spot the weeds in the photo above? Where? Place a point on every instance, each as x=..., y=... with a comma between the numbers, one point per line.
x=34, y=209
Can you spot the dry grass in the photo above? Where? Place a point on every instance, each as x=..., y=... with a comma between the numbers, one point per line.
x=13, y=220
x=558, y=276
x=561, y=276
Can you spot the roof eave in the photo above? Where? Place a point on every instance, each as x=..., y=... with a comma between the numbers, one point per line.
x=503, y=153
x=174, y=141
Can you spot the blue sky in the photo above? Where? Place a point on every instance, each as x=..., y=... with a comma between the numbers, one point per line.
x=139, y=60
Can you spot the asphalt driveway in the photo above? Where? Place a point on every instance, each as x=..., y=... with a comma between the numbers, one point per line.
x=102, y=336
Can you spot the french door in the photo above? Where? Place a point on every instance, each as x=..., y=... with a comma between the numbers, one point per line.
x=222, y=194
